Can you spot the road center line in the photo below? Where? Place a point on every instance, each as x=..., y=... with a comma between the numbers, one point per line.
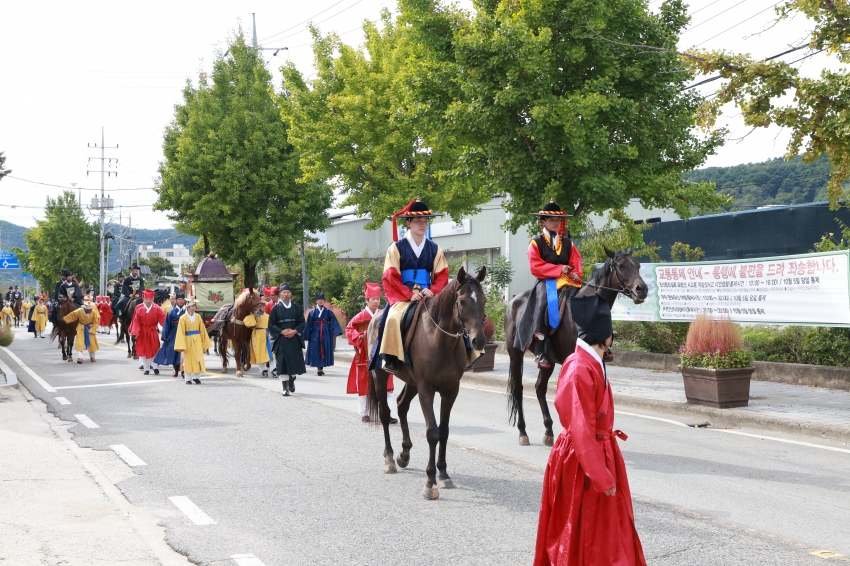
x=116, y=383
x=246, y=560
x=669, y=421
x=191, y=510
x=62, y=401
x=127, y=455
x=47, y=387
x=87, y=422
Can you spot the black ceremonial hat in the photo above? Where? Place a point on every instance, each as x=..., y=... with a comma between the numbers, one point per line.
x=120, y=274
x=285, y=287
x=134, y=266
x=592, y=315
x=551, y=210
x=63, y=273
x=320, y=295
x=418, y=210
x=179, y=294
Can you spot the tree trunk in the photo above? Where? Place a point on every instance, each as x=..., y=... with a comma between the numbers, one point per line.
x=249, y=274
x=206, y=245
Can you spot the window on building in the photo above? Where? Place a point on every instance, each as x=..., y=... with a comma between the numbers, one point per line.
x=169, y=254
x=153, y=254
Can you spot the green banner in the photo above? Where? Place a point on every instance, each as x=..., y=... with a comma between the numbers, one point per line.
x=212, y=296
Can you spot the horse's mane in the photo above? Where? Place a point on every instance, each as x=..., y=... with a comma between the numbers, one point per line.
x=596, y=274
x=444, y=300
x=242, y=298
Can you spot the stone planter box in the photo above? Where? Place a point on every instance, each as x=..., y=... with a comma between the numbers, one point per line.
x=488, y=360
x=718, y=388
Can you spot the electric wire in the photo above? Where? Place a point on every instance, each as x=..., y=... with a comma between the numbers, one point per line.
x=739, y=23
x=714, y=16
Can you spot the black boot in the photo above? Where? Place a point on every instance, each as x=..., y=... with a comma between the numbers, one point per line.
x=285, y=388
x=292, y=384
x=390, y=364
x=540, y=354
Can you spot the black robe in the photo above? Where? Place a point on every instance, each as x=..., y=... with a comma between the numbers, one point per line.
x=287, y=351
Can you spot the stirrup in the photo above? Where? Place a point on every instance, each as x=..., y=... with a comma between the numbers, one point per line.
x=542, y=362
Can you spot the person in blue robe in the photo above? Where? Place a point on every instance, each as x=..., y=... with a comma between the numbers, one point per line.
x=319, y=333
x=166, y=354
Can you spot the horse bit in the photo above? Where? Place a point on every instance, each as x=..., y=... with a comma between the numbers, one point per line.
x=623, y=289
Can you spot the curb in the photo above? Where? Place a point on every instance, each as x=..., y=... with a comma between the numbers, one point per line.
x=717, y=418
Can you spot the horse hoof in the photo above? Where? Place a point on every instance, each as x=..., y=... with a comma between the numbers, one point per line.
x=548, y=440
x=446, y=484
x=402, y=462
x=129, y=356
x=430, y=492
x=238, y=374
x=523, y=441
x=390, y=469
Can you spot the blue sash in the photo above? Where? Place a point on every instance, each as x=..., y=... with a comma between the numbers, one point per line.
x=416, y=276
x=192, y=332
x=87, y=341
x=552, y=302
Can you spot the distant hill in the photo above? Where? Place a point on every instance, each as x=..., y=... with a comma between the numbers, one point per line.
x=772, y=182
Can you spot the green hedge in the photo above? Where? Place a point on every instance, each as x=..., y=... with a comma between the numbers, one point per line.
x=817, y=345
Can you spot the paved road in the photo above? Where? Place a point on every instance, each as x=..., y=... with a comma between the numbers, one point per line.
x=298, y=480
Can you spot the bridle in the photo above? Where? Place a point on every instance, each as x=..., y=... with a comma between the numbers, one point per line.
x=463, y=330
x=623, y=289
x=254, y=305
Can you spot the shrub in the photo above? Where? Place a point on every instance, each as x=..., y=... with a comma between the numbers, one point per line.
x=656, y=337
x=714, y=344
x=6, y=337
x=816, y=345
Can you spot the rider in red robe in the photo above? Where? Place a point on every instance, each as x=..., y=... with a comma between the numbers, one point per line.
x=146, y=318
x=355, y=331
x=586, y=515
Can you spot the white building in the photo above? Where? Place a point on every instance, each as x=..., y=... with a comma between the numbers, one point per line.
x=177, y=254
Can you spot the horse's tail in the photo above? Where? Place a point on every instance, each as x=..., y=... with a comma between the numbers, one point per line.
x=373, y=404
x=54, y=332
x=514, y=378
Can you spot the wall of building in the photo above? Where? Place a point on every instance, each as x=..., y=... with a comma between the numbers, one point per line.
x=177, y=254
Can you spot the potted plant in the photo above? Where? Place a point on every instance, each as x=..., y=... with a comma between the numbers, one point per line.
x=487, y=361
x=715, y=365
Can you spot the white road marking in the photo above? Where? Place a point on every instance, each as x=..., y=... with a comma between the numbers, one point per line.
x=47, y=387
x=87, y=422
x=670, y=421
x=63, y=401
x=127, y=455
x=117, y=383
x=191, y=510
x=246, y=560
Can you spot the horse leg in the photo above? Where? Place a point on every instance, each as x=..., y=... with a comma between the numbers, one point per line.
x=403, y=406
x=62, y=347
x=515, y=393
x=222, y=349
x=379, y=383
x=237, y=356
x=432, y=434
x=446, y=401
x=541, y=387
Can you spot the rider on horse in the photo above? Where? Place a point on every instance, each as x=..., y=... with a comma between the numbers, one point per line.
x=414, y=269
x=132, y=286
x=556, y=263
x=66, y=281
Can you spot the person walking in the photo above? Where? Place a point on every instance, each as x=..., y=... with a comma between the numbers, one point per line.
x=7, y=315
x=261, y=346
x=147, y=317
x=86, y=318
x=319, y=333
x=286, y=325
x=167, y=355
x=39, y=316
x=191, y=341
x=586, y=515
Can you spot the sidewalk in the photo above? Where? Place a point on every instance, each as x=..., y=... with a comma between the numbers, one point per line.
x=60, y=502
x=797, y=409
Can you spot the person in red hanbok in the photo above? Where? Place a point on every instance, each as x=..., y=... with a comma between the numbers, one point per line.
x=355, y=331
x=147, y=317
x=105, y=310
x=586, y=515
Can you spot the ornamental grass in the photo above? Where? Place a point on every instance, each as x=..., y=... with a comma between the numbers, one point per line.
x=714, y=344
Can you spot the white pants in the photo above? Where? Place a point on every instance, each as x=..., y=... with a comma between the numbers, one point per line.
x=144, y=362
x=191, y=376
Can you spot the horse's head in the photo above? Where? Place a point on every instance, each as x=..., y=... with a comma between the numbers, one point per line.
x=625, y=274
x=470, y=305
x=248, y=302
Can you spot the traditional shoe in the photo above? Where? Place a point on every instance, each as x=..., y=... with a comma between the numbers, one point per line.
x=320, y=372
x=264, y=373
x=183, y=374
x=142, y=366
x=542, y=362
x=285, y=389
x=196, y=380
x=393, y=420
x=79, y=360
x=174, y=374
x=156, y=372
x=146, y=372
x=93, y=360
x=365, y=419
x=292, y=384
x=189, y=382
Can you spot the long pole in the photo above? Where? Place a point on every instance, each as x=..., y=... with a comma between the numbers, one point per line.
x=102, y=282
x=305, y=284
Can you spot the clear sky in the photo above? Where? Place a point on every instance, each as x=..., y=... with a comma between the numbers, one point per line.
x=70, y=68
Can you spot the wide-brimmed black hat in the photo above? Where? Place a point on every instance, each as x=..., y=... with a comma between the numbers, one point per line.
x=120, y=274
x=592, y=315
x=320, y=295
x=418, y=210
x=63, y=273
x=134, y=266
x=551, y=210
x=285, y=287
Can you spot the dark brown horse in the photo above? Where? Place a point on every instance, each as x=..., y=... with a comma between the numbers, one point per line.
x=619, y=274
x=17, y=306
x=237, y=333
x=438, y=358
x=65, y=331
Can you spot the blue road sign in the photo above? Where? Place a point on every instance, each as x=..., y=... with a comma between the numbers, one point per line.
x=8, y=261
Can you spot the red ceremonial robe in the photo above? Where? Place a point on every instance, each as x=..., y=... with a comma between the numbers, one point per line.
x=144, y=328
x=105, y=310
x=579, y=525
x=358, y=375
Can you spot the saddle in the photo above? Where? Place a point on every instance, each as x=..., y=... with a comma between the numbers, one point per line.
x=219, y=320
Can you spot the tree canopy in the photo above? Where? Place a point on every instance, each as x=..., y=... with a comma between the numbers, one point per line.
x=230, y=173
x=3, y=170
x=63, y=240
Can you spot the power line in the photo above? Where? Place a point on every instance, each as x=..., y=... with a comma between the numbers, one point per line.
x=76, y=188
x=771, y=58
x=704, y=7
x=321, y=22
x=304, y=22
x=739, y=23
x=714, y=16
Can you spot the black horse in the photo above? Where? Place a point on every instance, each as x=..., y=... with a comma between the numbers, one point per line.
x=619, y=274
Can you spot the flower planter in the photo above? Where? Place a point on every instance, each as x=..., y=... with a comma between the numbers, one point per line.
x=718, y=388
x=487, y=360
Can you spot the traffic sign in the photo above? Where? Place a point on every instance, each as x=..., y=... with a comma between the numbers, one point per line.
x=8, y=261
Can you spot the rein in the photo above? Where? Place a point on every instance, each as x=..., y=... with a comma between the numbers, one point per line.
x=455, y=335
x=239, y=322
x=624, y=290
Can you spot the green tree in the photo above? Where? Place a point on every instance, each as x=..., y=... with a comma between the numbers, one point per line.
x=769, y=92
x=230, y=174
x=159, y=266
x=3, y=170
x=63, y=240
x=620, y=233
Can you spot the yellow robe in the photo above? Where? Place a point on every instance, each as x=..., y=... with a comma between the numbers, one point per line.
x=194, y=345
x=166, y=306
x=7, y=317
x=25, y=307
x=259, y=344
x=39, y=315
x=84, y=320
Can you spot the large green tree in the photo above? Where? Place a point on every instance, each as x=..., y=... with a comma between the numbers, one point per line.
x=63, y=240
x=3, y=170
x=230, y=174
x=159, y=265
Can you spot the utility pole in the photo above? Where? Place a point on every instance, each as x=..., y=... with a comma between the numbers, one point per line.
x=257, y=45
x=103, y=203
x=305, y=283
x=120, y=241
